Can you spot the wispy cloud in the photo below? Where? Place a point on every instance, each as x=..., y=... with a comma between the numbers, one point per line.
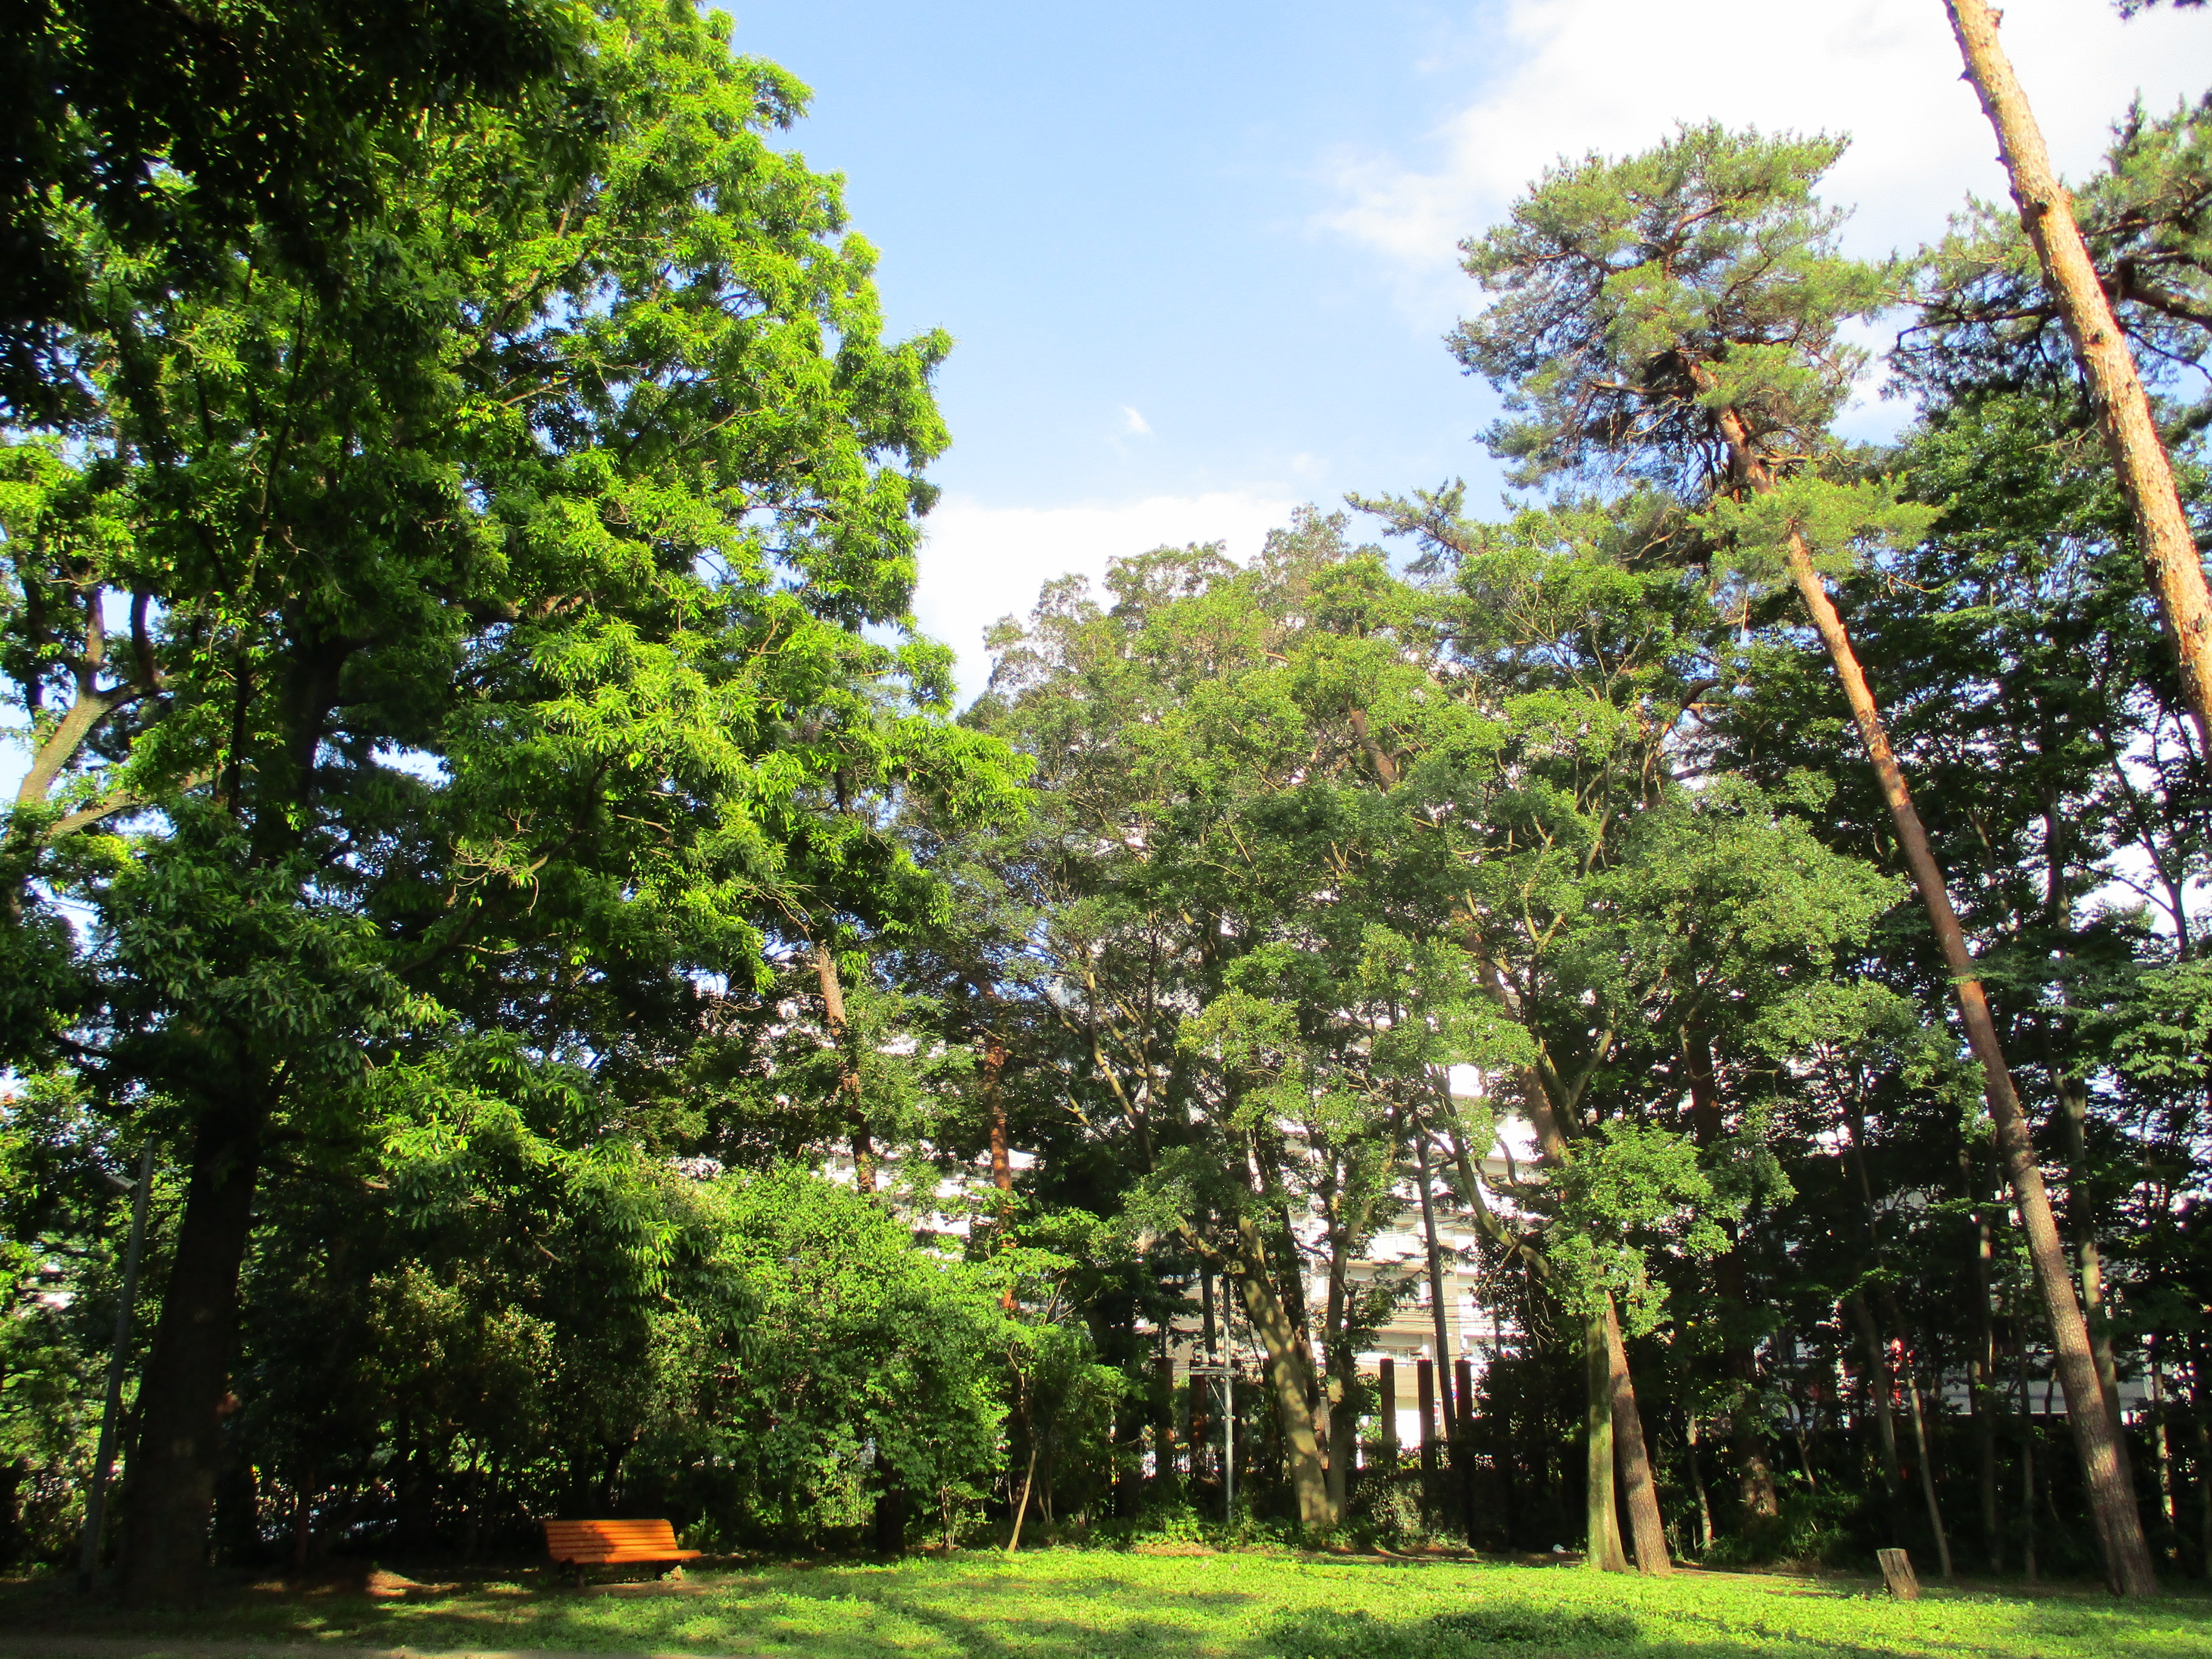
x=1614, y=75
x=982, y=563
x=1134, y=425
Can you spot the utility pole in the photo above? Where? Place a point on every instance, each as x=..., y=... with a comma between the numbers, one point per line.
x=95, y=1503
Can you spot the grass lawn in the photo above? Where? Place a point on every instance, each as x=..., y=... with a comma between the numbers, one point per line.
x=1076, y=1604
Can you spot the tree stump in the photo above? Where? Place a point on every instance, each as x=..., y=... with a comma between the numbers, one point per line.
x=1897, y=1571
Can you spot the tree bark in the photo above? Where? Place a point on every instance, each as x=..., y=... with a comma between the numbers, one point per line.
x=1698, y=1485
x=2082, y=1212
x=1340, y=1380
x=1437, y=1319
x=1290, y=1374
x=2096, y=1436
x=1643, y=1491
x=1924, y=1454
x=1603, y=1552
x=1881, y=1391
x=1982, y=1385
x=848, y=1070
x=2171, y=564
x=187, y=1383
x=1635, y=1462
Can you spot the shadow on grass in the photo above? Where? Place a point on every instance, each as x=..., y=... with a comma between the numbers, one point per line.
x=1105, y=1607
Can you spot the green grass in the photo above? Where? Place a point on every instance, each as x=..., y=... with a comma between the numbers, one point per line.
x=1070, y=1604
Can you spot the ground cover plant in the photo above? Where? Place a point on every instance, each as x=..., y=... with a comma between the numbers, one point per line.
x=1098, y=1604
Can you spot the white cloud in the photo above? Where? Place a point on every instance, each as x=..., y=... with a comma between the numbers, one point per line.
x=1134, y=425
x=982, y=563
x=1614, y=75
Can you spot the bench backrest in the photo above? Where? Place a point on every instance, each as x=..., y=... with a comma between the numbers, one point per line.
x=565, y=1539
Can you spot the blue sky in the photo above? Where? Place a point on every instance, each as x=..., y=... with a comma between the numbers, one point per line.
x=1198, y=258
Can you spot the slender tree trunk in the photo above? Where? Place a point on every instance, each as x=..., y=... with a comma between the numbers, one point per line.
x=2160, y=1442
x=1437, y=1299
x=2175, y=571
x=848, y=1069
x=1290, y=1375
x=1926, y=1449
x=1424, y=1379
x=1698, y=1486
x=1984, y=1385
x=2074, y=1106
x=1002, y=1164
x=2026, y=1456
x=1022, y=1504
x=186, y=1385
x=1603, y=1521
x=2096, y=1434
x=1880, y=1389
x=1341, y=1386
x=1641, y=1490
x=995, y=1103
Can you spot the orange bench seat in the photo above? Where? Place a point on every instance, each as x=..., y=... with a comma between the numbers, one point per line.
x=601, y=1543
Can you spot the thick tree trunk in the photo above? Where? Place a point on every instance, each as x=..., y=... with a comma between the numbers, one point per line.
x=1641, y=1490
x=2096, y=1434
x=1603, y=1521
x=183, y=1395
x=1290, y=1375
x=2175, y=571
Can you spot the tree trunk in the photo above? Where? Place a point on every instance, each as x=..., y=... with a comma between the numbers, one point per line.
x=2080, y=1210
x=848, y=1070
x=1002, y=1164
x=1437, y=1297
x=1984, y=1385
x=1642, y=1492
x=2171, y=564
x=1698, y=1486
x=1290, y=1375
x=1925, y=1454
x=185, y=1391
x=1604, y=1551
x=2096, y=1436
x=1754, y=1468
x=1341, y=1380
x=1610, y=1356
x=2026, y=1451
x=1880, y=1388
x=1425, y=1376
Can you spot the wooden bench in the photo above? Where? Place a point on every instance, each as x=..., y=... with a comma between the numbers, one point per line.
x=576, y=1545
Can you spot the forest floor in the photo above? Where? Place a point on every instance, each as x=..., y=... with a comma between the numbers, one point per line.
x=1100, y=1604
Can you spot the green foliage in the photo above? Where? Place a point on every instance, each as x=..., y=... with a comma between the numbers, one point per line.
x=1637, y=297
x=1631, y=1189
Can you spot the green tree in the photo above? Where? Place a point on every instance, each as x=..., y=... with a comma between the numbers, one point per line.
x=489, y=596
x=1679, y=314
